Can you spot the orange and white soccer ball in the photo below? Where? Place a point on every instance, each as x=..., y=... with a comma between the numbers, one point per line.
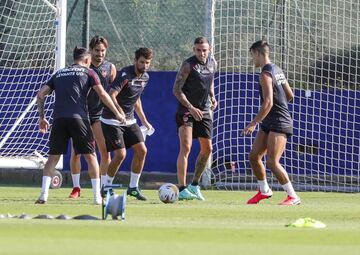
x=168, y=193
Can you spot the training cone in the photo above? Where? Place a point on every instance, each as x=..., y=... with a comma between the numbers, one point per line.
x=306, y=223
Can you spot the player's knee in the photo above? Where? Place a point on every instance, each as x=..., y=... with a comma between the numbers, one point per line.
x=141, y=152
x=253, y=157
x=119, y=155
x=271, y=163
x=75, y=157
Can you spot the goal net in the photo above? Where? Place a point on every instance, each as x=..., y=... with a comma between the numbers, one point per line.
x=27, y=59
x=317, y=44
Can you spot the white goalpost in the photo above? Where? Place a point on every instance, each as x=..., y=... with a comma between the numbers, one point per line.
x=317, y=43
x=32, y=47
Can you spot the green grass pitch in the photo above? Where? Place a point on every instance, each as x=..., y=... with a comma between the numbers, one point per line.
x=223, y=224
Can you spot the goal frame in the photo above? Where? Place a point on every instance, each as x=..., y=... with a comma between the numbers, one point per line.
x=37, y=161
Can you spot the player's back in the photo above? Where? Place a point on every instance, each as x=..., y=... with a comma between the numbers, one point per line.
x=279, y=114
x=71, y=86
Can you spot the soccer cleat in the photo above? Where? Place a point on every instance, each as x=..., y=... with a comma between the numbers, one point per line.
x=291, y=201
x=136, y=192
x=185, y=194
x=75, y=193
x=41, y=200
x=259, y=196
x=195, y=190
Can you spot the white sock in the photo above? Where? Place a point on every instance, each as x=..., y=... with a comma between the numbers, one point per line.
x=45, y=185
x=264, y=186
x=109, y=180
x=289, y=189
x=134, y=180
x=103, y=180
x=75, y=180
x=96, y=187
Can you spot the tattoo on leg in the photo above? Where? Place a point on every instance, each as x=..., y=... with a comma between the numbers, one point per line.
x=200, y=166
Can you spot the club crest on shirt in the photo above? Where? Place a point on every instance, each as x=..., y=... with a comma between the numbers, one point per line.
x=203, y=69
x=197, y=68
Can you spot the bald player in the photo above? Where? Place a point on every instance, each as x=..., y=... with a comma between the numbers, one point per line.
x=194, y=90
x=276, y=125
x=71, y=118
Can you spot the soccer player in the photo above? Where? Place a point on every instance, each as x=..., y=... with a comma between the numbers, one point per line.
x=106, y=72
x=194, y=89
x=71, y=118
x=125, y=92
x=276, y=126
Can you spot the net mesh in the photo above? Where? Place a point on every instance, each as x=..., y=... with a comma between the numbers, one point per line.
x=317, y=45
x=27, y=59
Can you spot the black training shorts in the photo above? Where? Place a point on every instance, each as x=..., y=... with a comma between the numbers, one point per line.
x=119, y=137
x=203, y=128
x=78, y=129
x=287, y=131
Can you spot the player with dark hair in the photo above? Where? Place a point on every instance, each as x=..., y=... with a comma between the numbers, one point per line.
x=194, y=89
x=276, y=125
x=125, y=92
x=106, y=72
x=71, y=118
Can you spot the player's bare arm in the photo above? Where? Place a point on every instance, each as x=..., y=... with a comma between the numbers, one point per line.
x=180, y=80
x=113, y=94
x=106, y=99
x=140, y=113
x=267, y=92
x=41, y=95
x=113, y=73
x=288, y=92
x=212, y=96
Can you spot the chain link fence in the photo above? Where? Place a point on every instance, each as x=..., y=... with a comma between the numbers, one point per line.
x=169, y=27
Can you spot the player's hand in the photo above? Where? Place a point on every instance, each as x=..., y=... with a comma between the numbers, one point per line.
x=249, y=128
x=213, y=103
x=121, y=118
x=43, y=125
x=196, y=113
x=148, y=126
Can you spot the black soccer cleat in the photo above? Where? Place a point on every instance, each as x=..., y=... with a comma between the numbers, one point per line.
x=136, y=192
x=40, y=202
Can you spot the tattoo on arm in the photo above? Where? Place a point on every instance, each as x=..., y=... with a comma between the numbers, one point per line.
x=45, y=90
x=40, y=105
x=180, y=80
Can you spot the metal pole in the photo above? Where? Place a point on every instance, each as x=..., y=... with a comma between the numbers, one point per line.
x=60, y=34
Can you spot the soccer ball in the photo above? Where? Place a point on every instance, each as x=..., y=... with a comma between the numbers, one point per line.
x=168, y=193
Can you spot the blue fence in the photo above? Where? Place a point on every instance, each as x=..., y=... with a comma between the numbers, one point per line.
x=327, y=127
